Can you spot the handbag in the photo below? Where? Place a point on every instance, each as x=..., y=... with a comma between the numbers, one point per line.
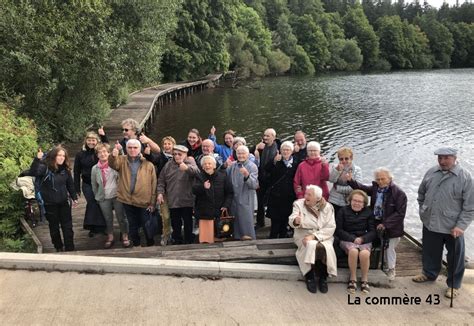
x=151, y=224
x=224, y=226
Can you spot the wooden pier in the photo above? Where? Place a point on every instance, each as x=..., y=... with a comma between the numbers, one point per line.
x=142, y=107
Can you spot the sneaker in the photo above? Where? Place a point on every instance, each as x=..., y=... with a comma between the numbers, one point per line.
x=391, y=274
x=165, y=240
x=451, y=292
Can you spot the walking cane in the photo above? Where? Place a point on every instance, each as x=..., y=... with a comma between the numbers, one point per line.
x=382, y=245
x=452, y=272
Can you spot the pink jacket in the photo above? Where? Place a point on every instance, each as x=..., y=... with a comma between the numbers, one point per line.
x=311, y=172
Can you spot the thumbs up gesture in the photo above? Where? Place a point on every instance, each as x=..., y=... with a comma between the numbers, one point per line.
x=277, y=156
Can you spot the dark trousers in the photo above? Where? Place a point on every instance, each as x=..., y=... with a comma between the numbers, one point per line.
x=59, y=216
x=336, y=208
x=178, y=216
x=94, y=220
x=433, y=244
x=136, y=220
x=278, y=228
x=261, y=205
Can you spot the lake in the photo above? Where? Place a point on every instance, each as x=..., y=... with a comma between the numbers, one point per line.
x=392, y=119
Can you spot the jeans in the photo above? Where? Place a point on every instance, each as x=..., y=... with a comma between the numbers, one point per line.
x=433, y=244
x=108, y=206
x=390, y=253
x=59, y=216
x=178, y=216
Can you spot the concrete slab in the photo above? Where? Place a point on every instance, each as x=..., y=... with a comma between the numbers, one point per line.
x=102, y=265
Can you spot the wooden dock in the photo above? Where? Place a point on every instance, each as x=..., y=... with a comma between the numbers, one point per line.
x=142, y=106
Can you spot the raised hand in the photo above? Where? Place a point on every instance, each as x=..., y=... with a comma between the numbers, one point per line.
x=207, y=184
x=213, y=130
x=278, y=156
x=183, y=166
x=117, y=145
x=101, y=131
x=244, y=171
x=147, y=150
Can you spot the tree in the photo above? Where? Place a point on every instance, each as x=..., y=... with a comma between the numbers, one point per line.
x=393, y=45
x=345, y=55
x=357, y=26
x=463, y=37
x=440, y=40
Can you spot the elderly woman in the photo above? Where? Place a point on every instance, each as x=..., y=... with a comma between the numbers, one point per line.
x=176, y=181
x=389, y=206
x=193, y=143
x=356, y=231
x=213, y=197
x=238, y=141
x=85, y=159
x=338, y=176
x=56, y=186
x=280, y=193
x=314, y=224
x=312, y=171
x=243, y=176
x=224, y=150
x=104, y=182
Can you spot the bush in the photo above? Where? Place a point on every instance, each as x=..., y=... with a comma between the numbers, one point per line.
x=17, y=145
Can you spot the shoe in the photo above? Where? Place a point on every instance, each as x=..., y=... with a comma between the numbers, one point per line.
x=323, y=285
x=451, y=292
x=246, y=237
x=108, y=244
x=391, y=274
x=351, y=287
x=364, y=287
x=311, y=282
x=165, y=240
x=91, y=234
x=59, y=249
x=127, y=243
x=421, y=278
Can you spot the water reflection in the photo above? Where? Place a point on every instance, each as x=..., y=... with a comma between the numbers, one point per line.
x=394, y=119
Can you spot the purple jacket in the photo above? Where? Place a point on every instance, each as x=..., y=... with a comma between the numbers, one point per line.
x=394, y=206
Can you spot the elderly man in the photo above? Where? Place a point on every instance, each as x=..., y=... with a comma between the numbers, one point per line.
x=265, y=152
x=300, y=152
x=176, y=181
x=208, y=149
x=136, y=187
x=446, y=203
x=314, y=223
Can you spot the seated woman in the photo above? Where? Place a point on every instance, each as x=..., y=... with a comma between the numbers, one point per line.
x=339, y=174
x=213, y=193
x=389, y=205
x=280, y=193
x=312, y=171
x=356, y=231
x=104, y=181
x=243, y=176
x=314, y=224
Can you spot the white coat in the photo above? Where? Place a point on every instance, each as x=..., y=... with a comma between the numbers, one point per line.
x=323, y=228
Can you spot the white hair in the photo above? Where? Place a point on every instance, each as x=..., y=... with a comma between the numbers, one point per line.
x=318, y=192
x=239, y=140
x=134, y=142
x=271, y=131
x=210, y=158
x=313, y=145
x=383, y=170
x=287, y=144
x=243, y=148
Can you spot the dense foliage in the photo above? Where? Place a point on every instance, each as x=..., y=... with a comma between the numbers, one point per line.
x=17, y=144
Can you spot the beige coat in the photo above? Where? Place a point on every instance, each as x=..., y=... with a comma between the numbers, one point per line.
x=323, y=228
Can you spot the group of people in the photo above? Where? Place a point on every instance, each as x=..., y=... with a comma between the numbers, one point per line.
x=286, y=181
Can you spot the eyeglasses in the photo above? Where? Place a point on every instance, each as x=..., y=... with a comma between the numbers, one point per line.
x=344, y=158
x=125, y=129
x=177, y=154
x=133, y=147
x=357, y=201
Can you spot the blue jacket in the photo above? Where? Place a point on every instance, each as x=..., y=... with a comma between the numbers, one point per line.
x=223, y=150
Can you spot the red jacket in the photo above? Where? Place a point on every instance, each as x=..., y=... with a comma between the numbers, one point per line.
x=311, y=172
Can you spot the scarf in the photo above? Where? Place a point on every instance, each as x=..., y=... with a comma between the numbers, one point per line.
x=288, y=163
x=103, y=171
x=315, y=210
x=378, y=207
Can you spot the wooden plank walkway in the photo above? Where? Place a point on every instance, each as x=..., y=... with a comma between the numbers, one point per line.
x=141, y=107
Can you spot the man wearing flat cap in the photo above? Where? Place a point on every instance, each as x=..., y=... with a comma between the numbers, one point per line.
x=176, y=181
x=446, y=203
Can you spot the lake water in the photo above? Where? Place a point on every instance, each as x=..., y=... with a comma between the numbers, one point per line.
x=394, y=120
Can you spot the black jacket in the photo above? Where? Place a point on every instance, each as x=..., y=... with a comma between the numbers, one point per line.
x=210, y=201
x=159, y=160
x=192, y=152
x=280, y=192
x=55, y=186
x=83, y=163
x=350, y=224
x=394, y=206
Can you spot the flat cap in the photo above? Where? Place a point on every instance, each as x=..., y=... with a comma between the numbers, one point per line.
x=180, y=148
x=446, y=151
